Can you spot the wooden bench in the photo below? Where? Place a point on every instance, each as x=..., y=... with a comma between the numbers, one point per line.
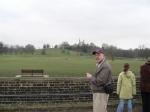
x=32, y=72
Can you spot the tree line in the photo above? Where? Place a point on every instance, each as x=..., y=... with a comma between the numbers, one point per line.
x=81, y=47
x=110, y=50
x=5, y=49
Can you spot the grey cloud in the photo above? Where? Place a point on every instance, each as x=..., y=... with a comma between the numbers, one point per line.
x=54, y=21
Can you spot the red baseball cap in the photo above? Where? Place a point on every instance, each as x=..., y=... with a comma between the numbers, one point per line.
x=100, y=50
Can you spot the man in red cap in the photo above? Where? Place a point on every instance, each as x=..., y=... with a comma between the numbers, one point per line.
x=102, y=76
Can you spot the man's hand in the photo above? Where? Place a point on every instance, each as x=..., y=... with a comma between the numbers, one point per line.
x=88, y=76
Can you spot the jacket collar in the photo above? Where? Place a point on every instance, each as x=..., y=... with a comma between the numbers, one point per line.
x=99, y=66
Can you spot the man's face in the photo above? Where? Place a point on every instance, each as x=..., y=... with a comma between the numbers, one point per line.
x=99, y=57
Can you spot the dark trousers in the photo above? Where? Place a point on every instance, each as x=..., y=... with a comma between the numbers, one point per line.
x=145, y=101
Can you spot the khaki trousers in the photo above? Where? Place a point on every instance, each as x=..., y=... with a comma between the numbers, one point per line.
x=100, y=101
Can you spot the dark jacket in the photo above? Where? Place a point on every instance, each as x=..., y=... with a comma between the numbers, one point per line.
x=102, y=76
x=145, y=77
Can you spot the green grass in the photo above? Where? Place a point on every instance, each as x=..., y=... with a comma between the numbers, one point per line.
x=57, y=52
x=59, y=64
x=55, y=66
x=117, y=65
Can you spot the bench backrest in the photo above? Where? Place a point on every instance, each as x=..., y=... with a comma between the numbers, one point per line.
x=32, y=71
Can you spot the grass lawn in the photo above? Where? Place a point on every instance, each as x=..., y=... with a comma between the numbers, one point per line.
x=60, y=66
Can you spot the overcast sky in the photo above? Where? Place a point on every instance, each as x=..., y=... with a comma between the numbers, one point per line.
x=123, y=23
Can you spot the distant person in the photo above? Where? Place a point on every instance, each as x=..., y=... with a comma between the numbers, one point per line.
x=102, y=76
x=126, y=88
x=145, y=85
